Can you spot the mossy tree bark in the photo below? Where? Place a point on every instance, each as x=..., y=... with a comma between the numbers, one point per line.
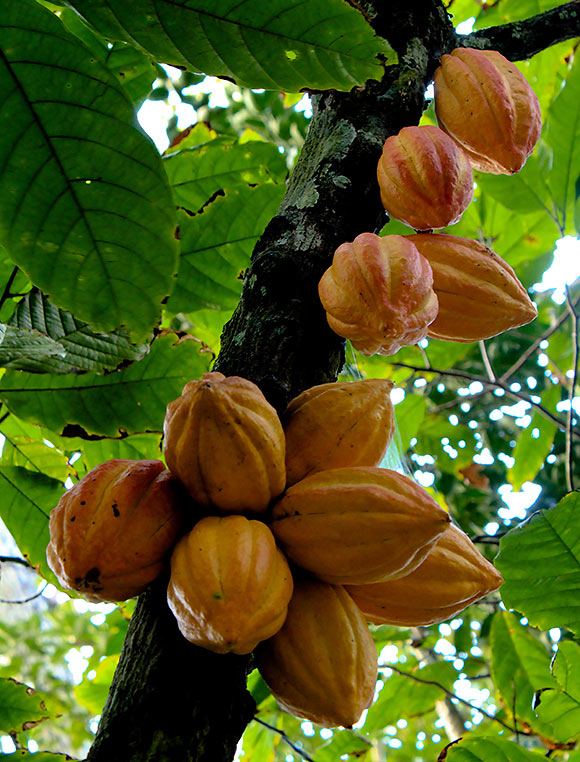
x=171, y=701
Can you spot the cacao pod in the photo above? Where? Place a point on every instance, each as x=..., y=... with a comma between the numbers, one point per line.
x=339, y=424
x=378, y=293
x=357, y=525
x=486, y=105
x=230, y=585
x=479, y=293
x=426, y=180
x=225, y=442
x=322, y=664
x=453, y=576
x=111, y=532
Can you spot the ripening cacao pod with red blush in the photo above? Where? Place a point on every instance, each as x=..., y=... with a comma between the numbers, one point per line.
x=479, y=294
x=357, y=525
x=338, y=424
x=453, y=576
x=487, y=106
x=378, y=293
x=230, y=585
x=322, y=664
x=111, y=532
x=426, y=180
x=225, y=442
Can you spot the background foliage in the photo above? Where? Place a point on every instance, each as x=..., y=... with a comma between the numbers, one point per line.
x=104, y=315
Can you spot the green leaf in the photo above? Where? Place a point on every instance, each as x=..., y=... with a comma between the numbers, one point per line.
x=27, y=499
x=216, y=247
x=343, y=743
x=75, y=346
x=136, y=447
x=133, y=69
x=85, y=207
x=197, y=174
x=409, y=415
x=490, y=750
x=129, y=401
x=35, y=455
x=405, y=697
x=561, y=708
x=540, y=564
x=563, y=135
x=531, y=451
x=523, y=192
x=92, y=694
x=21, y=707
x=283, y=45
x=520, y=666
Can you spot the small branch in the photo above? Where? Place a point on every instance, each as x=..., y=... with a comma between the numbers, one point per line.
x=447, y=693
x=496, y=384
x=285, y=738
x=486, y=361
x=9, y=283
x=570, y=417
x=564, y=315
x=15, y=560
x=26, y=600
x=523, y=39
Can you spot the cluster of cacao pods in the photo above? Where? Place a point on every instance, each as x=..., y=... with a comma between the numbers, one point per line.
x=285, y=536
x=386, y=292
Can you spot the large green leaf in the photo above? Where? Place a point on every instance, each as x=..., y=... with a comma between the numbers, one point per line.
x=563, y=135
x=135, y=70
x=523, y=192
x=27, y=499
x=40, y=756
x=197, y=174
x=126, y=402
x=490, y=750
x=92, y=694
x=520, y=666
x=561, y=708
x=21, y=707
x=75, y=346
x=85, y=207
x=409, y=415
x=280, y=45
x=531, y=449
x=217, y=244
x=540, y=563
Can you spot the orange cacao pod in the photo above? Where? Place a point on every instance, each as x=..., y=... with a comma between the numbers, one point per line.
x=357, y=525
x=230, y=585
x=110, y=533
x=225, y=442
x=426, y=181
x=339, y=424
x=487, y=106
x=453, y=576
x=479, y=293
x=378, y=293
x=322, y=664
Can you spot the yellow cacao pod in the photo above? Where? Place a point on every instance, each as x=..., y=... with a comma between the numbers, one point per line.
x=230, y=585
x=322, y=664
x=486, y=105
x=225, y=442
x=111, y=532
x=453, y=576
x=357, y=525
x=426, y=181
x=339, y=424
x=479, y=293
x=378, y=293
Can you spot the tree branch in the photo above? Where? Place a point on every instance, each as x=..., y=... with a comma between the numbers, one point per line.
x=490, y=384
x=447, y=693
x=15, y=560
x=523, y=39
x=285, y=738
x=570, y=417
